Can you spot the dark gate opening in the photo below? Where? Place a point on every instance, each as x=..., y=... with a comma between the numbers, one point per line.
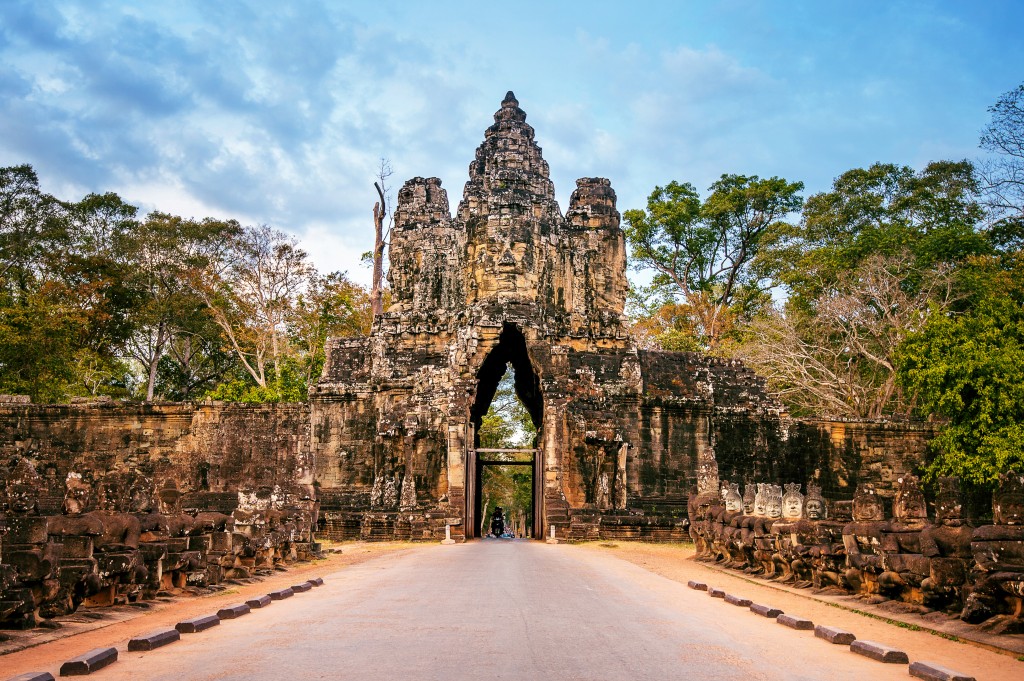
x=510, y=351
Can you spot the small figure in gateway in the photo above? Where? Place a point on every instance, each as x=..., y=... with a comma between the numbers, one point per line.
x=498, y=522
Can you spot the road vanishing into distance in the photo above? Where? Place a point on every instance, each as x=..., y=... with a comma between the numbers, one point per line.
x=498, y=609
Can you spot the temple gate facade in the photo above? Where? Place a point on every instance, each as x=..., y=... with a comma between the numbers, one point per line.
x=623, y=434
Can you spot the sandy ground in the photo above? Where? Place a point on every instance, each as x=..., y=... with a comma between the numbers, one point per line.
x=165, y=615
x=675, y=562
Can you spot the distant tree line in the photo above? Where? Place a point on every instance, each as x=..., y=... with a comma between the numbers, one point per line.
x=899, y=292
x=96, y=300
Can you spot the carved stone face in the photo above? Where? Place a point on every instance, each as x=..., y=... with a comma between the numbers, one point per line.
x=748, y=500
x=21, y=499
x=909, y=507
x=109, y=495
x=733, y=502
x=761, y=501
x=867, y=507
x=1008, y=501
x=140, y=498
x=792, y=507
x=948, y=505
x=774, y=506
x=20, y=488
x=77, y=494
x=1013, y=511
x=814, y=509
x=169, y=500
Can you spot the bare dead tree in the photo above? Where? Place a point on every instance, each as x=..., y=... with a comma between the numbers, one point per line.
x=381, y=210
x=840, y=361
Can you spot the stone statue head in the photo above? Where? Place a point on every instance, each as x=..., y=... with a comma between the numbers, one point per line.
x=867, y=506
x=761, y=499
x=748, y=500
x=949, y=503
x=112, y=492
x=733, y=501
x=792, y=502
x=140, y=493
x=773, y=504
x=814, y=504
x=77, y=494
x=21, y=488
x=1008, y=499
x=168, y=498
x=909, y=505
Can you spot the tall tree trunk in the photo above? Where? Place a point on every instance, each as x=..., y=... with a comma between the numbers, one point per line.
x=376, y=291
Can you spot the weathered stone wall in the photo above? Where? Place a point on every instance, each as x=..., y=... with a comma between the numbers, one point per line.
x=211, y=450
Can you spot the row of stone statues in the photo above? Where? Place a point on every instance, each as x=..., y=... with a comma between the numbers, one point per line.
x=123, y=538
x=945, y=564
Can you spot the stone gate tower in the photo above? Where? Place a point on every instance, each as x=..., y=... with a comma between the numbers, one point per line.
x=511, y=281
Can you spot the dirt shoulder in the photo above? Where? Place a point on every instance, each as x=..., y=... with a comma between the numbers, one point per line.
x=921, y=641
x=80, y=633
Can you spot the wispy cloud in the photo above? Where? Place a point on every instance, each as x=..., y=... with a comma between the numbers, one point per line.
x=279, y=113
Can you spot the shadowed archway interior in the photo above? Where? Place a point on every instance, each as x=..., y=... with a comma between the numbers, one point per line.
x=510, y=350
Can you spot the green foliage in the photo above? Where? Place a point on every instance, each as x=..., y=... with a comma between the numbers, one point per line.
x=94, y=301
x=883, y=210
x=701, y=252
x=290, y=386
x=969, y=368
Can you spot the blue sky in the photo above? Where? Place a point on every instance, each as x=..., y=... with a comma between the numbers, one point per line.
x=278, y=112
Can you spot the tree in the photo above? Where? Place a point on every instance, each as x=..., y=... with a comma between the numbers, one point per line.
x=882, y=210
x=251, y=296
x=167, y=252
x=701, y=252
x=65, y=290
x=969, y=368
x=869, y=263
x=1003, y=174
x=331, y=306
x=839, y=360
x=381, y=209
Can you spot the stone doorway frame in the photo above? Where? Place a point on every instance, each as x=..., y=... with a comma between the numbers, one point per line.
x=474, y=474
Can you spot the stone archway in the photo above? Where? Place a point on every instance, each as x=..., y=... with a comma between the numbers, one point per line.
x=510, y=351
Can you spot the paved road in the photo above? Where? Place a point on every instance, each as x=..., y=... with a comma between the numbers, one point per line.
x=500, y=610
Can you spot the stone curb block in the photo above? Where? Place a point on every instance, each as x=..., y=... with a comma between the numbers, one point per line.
x=233, y=611
x=197, y=624
x=934, y=672
x=258, y=602
x=32, y=676
x=794, y=622
x=300, y=588
x=877, y=651
x=699, y=586
x=319, y=581
x=715, y=592
x=281, y=595
x=737, y=600
x=765, y=610
x=833, y=635
x=89, y=662
x=154, y=639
